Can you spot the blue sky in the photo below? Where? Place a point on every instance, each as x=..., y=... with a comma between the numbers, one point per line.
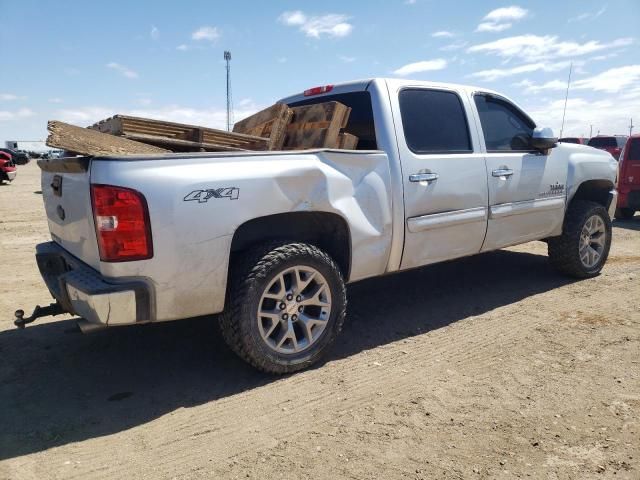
x=81, y=61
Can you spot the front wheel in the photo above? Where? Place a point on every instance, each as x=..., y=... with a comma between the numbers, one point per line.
x=286, y=306
x=582, y=249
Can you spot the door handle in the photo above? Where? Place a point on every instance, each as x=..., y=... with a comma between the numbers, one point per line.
x=423, y=177
x=502, y=172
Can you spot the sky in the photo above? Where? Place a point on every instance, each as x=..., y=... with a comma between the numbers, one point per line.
x=83, y=61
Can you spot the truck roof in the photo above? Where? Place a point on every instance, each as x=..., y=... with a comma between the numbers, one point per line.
x=363, y=84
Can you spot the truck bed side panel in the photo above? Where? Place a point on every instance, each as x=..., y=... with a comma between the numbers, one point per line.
x=192, y=232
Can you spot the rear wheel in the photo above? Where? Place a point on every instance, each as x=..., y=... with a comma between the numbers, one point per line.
x=624, y=213
x=286, y=306
x=582, y=249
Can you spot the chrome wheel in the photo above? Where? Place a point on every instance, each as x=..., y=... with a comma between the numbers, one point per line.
x=592, y=241
x=294, y=309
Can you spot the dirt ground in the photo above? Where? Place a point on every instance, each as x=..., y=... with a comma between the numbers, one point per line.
x=486, y=367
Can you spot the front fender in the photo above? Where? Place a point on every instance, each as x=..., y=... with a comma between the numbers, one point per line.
x=588, y=164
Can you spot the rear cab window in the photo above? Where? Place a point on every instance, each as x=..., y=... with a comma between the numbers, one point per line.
x=360, y=124
x=603, y=142
x=434, y=121
x=505, y=127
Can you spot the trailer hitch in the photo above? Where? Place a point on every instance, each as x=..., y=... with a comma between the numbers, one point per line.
x=52, y=309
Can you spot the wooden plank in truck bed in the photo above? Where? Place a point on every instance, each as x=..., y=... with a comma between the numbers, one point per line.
x=90, y=142
x=208, y=138
x=269, y=123
x=316, y=126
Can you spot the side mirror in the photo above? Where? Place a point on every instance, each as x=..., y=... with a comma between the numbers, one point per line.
x=543, y=139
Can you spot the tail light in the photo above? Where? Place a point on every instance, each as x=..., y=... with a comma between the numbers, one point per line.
x=122, y=224
x=318, y=90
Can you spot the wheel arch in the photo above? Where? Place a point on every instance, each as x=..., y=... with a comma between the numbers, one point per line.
x=595, y=190
x=328, y=231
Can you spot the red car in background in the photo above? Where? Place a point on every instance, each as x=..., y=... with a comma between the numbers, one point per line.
x=610, y=143
x=578, y=140
x=8, y=169
x=629, y=179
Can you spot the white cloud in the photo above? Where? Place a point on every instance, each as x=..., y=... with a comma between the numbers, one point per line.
x=210, y=34
x=8, y=97
x=155, y=33
x=409, y=2
x=14, y=115
x=281, y=59
x=531, y=87
x=493, y=27
x=588, y=15
x=346, y=59
x=124, y=71
x=423, y=66
x=453, y=46
x=496, y=73
x=55, y=100
x=442, y=34
x=293, y=18
x=182, y=47
x=330, y=25
x=615, y=80
x=609, y=115
x=502, y=19
x=534, y=47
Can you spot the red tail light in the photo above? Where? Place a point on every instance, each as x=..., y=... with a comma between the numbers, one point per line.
x=122, y=224
x=318, y=90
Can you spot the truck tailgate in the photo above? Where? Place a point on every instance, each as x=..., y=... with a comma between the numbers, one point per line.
x=67, y=202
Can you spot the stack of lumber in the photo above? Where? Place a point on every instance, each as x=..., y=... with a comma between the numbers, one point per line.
x=270, y=123
x=177, y=136
x=319, y=125
x=88, y=142
x=278, y=127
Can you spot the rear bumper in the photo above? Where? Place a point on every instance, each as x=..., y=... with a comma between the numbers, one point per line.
x=84, y=292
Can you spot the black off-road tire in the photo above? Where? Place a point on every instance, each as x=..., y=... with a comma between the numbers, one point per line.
x=249, y=276
x=564, y=250
x=624, y=213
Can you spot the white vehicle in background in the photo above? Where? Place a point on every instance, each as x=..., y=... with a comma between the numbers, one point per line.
x=270, y=239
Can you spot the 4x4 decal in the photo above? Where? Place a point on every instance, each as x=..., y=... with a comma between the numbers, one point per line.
x=202, y=196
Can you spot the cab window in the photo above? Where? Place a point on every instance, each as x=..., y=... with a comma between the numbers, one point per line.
x=434, y=121
x=505, y=127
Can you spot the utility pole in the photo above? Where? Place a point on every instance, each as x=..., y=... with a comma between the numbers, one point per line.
x=590, y=131
x=227, y=58
x=630, y=126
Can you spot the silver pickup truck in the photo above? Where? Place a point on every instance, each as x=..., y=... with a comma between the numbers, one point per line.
x=268, y=240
